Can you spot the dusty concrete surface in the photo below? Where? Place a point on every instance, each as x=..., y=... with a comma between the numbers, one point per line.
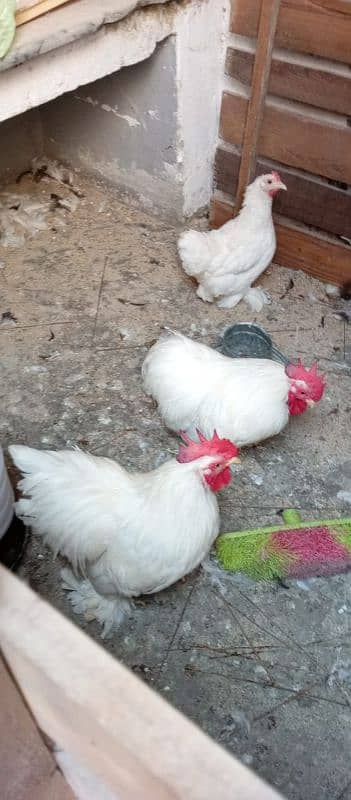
x=265, y=669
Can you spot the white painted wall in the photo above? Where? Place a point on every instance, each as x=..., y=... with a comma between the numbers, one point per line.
x=201, y=31
x=181, y=184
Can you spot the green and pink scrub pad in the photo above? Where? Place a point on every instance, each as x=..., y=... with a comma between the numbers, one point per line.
x=300, y=550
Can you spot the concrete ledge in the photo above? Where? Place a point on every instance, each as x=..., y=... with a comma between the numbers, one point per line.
x=65, y=25
x=55, y=63
x=150, y=129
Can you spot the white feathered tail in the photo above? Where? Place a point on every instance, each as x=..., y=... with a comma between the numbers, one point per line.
x=194, y=252
x=60, y=490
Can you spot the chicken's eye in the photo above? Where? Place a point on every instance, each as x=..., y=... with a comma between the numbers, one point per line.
x=269, y=180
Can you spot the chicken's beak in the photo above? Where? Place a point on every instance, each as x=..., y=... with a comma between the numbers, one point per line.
x=235, y=460
x=281, y=185
x=310, y=403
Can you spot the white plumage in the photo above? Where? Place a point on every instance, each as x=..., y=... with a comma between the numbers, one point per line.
x=225, y=262
x=245, y=399
x=127, y=534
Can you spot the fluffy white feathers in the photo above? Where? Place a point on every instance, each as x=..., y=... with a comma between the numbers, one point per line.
x=128, y=534
x=225, y=262
x=197, y=387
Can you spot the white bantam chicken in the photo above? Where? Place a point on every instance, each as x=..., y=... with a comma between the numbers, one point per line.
x=225, y=262
x=246, y=399
x=127, y=534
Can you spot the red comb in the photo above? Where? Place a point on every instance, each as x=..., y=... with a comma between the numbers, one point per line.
x=276, y=175
x=315, y=382
x=191, y=450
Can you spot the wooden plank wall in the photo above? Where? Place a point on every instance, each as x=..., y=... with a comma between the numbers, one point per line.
x=321, y=28
x=306, y=126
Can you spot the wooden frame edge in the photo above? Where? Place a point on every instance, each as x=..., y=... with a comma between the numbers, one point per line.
x=40, y=8
x=95, y=709
x=258, y=91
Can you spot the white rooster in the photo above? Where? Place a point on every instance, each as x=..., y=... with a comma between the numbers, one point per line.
x=225, y=262
x=246, y=399
x=127, y=534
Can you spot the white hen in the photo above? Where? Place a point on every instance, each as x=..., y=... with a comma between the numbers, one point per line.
x=225, y=262
x=246, y=399
x=127, y=534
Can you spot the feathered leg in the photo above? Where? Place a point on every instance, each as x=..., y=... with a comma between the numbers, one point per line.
x=204, y=294
x=256, y=298
x=86, y=601
x=229, y=301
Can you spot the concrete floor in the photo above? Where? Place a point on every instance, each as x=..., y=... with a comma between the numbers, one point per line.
x=264, y=669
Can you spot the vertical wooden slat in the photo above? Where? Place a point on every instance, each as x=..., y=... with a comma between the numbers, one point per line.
x=260, y=78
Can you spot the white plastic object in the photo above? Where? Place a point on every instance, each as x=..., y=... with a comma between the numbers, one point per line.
x=6, y=497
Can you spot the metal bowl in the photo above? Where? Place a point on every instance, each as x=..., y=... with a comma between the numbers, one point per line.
x=247, y=340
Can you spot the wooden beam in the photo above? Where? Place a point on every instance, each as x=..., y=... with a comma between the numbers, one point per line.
x=298, y=248
x=295, y=139
x=320, y=28
x=255, y=108
x=317, y=255
x=324, y=88
x=105, y=717
x=27, y=768
x=307, y=200
x=37, y=10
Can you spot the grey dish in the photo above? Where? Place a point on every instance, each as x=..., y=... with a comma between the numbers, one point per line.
x=247, y=340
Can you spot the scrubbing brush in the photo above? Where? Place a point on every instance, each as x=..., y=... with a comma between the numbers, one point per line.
x=300, y=550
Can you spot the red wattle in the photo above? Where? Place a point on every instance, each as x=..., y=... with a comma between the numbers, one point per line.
x=217, y=482
x=296, y=405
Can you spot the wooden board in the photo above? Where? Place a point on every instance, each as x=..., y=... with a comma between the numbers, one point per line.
x=27, y=768
x=319, y=256
x=105, y=717
x=37, y=10
x=307, y=200
x=321, y=28
x=258, y=90
x=20, y=5
x=323, y=88
x=299, y=248
x=296, y=140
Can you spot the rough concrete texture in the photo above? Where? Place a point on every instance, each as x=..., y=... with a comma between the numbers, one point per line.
x=21, y=139
x=65, y=25
x=265, y=669
x=124, y=128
